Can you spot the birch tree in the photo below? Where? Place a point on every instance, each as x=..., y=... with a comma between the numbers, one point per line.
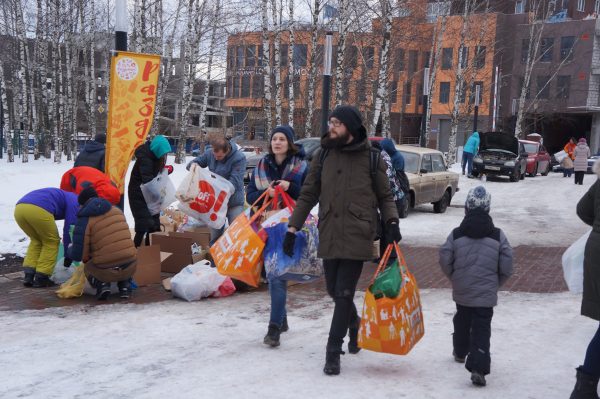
x=343, y=25
x=277, y=59
x=310, y=101
x=266, y=66
x=23, y=93
x=290, y=56
x=5, y=115
x=211, y=52
x=382, y=95
x=435, y=54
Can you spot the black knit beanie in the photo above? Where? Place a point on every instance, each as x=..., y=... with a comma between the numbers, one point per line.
x=350, y=117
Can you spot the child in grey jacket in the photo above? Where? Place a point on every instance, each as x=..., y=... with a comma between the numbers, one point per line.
x=477, y=259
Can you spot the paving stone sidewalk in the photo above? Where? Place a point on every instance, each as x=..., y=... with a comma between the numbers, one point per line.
x=537, y=269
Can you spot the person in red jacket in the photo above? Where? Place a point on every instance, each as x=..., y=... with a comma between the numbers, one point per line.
x=77, y=179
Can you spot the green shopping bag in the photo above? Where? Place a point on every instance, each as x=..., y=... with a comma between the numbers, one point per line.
x=388, y=282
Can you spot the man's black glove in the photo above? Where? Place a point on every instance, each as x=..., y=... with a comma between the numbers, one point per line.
x=288, y=244
x=392, y=231
x=67, y=262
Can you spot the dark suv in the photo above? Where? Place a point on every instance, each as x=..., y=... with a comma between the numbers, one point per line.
x=500, y=154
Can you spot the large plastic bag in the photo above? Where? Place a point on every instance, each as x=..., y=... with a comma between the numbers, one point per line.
x=73, y=287
x=572, y=263
x=61, y=273
x=196, y=281
x=559, y=156
x=204, y=195
x=305, y=265
x=159, y=192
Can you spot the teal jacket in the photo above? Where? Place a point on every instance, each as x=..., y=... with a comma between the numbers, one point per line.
x=472, y=145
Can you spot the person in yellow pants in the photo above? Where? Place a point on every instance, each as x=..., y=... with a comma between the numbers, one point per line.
x=36, y=214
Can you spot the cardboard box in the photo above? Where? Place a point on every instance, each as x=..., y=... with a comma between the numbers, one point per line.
x=200, y=237
x=179, y=246
x=148, y=266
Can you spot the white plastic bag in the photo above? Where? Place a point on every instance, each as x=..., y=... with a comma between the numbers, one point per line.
x=572, y=263
x=61, y=273
x=559, y=156
x=204, y=195
x=159, y=192
x=196, y=281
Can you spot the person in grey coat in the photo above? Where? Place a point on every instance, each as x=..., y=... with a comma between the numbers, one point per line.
x=581, y=153
x=477, y=258
x=588, y=210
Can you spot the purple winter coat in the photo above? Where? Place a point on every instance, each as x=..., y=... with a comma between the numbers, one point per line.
x=61, y=204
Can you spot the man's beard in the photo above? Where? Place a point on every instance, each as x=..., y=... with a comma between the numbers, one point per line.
x=339, y=141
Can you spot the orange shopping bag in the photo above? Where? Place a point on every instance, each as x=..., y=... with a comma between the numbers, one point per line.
x=392, y=325
x=238, y=252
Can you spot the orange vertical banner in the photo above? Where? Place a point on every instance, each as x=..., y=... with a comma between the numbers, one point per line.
x=133, y=89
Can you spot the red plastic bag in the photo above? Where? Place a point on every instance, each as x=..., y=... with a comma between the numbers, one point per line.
x=225, y=289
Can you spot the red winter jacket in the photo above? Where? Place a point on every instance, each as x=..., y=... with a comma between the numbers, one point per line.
x=76, y=179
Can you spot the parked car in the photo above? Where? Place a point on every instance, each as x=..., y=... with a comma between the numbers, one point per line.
x=429, y=178
x=500, y=154
x=538, y=160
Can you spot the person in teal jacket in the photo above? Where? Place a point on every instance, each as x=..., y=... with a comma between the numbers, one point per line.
x=469, y=151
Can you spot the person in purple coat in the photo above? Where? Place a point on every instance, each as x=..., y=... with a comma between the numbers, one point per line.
x=36, y=214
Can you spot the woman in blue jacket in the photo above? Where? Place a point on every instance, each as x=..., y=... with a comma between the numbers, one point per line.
x=283, y=166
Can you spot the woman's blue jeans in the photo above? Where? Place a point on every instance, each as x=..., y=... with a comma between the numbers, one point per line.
x=278, y=292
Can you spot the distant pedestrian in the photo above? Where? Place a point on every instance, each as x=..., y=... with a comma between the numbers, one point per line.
x=477, y=258
x=567, y=166
x=570, y=147
x=93, y=153
x=588, y=210
x=469, y=151
x=581, y=153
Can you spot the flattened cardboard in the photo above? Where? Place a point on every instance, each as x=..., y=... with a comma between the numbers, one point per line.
x=176, y=262
x=148, y=266
x=179, y=247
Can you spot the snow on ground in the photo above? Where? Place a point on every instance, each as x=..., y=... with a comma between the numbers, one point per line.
x=538, y=211
x=213, y=349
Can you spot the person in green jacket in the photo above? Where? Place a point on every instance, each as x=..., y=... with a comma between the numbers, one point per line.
x=469, y=151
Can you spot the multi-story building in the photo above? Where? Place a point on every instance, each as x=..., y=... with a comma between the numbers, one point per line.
x=564, y=105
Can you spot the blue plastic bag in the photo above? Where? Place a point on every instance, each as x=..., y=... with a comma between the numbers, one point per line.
x=304, y=266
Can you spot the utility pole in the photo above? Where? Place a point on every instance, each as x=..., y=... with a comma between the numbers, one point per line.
x=422, y=139
x=476, y=111
x=121, y=25
x=495, y=110
x=326, y=81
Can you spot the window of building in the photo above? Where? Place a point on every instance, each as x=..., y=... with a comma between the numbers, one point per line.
x=283, y=55
x=463, y=92
x=524, y=50
x=566, y=48
x=420, y=94
x=258, y=83
x=521, y=84
x=239, y=59
x=399, y=60
x=546, y=45
x=403, y=11
x=436, y=9
x=296, y=83
x=250, y=56
x=393, y=91
x=407, y=93
x=474, y=90
x=361, y=92
x=464, y=62
x=345, y=89
x=413, y=61
x=231, y=57
x=543, y=87
x=581, y=5
x=350, y=57
x=479, y=60
x=229, y=86
x=447, y=58
x=260, y=61
x=286, y=87
x=563, y=86
x=426, y=56
x=299, y=55
x=597, y=7
x=236, y=87
x=519, y=6
x=368, y=55
x=245, y=86
x=444, y=92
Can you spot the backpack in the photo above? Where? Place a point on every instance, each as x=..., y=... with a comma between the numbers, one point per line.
x=403, y=181
x=374, y=156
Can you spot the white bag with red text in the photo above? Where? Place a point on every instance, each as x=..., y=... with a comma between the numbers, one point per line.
x=204, y=195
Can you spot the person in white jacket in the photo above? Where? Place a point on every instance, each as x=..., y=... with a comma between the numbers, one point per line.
x=581, y=153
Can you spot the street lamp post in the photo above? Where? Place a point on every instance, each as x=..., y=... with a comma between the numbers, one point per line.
x=326, y=81
x=422, y=139
x=476, y=110
x=121, y=25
